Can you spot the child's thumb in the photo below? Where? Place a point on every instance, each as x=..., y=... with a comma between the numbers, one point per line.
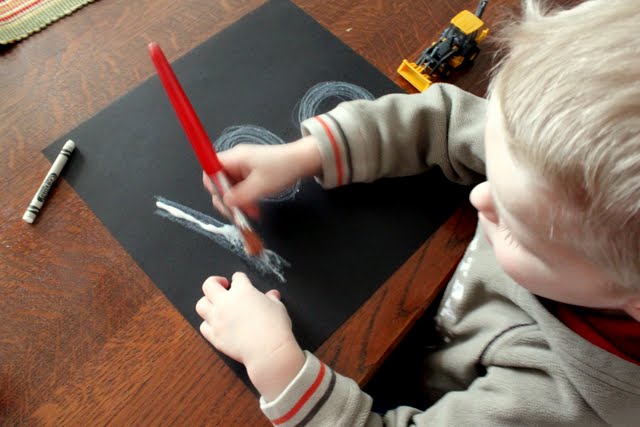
x=274, y=294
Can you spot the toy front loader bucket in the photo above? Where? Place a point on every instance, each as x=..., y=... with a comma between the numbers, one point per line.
x=413, y=74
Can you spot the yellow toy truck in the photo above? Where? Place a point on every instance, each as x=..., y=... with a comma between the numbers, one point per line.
x=456, y=48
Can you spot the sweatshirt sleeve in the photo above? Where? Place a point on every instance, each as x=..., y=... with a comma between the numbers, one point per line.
x=525, y=395
x=402, y=134
x=318, y=396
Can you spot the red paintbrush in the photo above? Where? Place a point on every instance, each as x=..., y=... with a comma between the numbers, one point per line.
x=202, y=146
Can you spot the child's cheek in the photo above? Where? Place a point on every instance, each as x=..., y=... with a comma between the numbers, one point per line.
x=509, y=261
x=488, y=228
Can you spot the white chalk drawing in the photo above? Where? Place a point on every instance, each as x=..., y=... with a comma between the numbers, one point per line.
x=226, y=235
x=309, y=105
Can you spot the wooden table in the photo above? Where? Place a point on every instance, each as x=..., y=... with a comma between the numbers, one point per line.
x=85, y=336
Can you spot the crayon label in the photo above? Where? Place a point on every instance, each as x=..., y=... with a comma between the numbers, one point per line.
x=44, y=191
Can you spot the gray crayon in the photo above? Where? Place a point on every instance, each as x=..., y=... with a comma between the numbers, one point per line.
x=38, y=200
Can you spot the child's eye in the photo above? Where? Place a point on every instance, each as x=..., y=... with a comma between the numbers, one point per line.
x=508, y=237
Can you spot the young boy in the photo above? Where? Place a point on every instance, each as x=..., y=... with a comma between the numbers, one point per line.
x=541, y=321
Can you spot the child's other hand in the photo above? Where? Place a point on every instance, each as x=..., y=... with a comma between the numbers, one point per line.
x=252, y=328
x=257, y=171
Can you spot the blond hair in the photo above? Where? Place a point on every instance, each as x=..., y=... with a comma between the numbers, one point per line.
x=569, y=88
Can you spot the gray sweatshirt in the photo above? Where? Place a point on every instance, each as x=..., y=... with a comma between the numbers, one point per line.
x=507, y=360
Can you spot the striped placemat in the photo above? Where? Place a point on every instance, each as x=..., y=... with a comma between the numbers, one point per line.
x=21, y=18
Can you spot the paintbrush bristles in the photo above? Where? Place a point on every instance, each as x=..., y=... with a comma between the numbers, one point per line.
x=252, y=244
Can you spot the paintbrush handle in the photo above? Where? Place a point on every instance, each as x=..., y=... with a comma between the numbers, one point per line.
x=186, y=114
x=202, y=145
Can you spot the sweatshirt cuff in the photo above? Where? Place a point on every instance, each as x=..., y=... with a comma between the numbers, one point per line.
x=303, y=397
x=334, y=149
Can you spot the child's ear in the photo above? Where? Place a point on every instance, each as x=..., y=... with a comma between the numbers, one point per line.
x=632, y=307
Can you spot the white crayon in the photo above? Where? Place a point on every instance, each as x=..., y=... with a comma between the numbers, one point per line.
x=38, y=200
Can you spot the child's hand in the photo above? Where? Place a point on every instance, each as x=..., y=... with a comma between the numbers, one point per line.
x=252, y=328
x=258, y=171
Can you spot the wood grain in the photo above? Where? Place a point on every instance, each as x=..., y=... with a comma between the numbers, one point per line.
x=85, y=336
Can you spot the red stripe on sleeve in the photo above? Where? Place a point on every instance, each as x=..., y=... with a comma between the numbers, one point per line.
x=19, y=11
x=334, y=145
x=300, y=403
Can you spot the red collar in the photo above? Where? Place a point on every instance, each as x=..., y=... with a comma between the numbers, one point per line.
x=617, y=334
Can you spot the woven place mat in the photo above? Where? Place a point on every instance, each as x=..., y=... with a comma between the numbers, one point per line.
x=21, y=18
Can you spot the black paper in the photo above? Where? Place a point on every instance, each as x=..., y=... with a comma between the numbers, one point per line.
x=342, y=244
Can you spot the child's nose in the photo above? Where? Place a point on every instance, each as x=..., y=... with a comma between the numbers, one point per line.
x=482, y=200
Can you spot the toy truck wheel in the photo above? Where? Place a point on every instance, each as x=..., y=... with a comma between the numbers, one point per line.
x=470, y=57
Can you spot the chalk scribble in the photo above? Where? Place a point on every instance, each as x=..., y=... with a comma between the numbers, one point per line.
x=223, y=234
x=309, y=104
x=227, y=235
